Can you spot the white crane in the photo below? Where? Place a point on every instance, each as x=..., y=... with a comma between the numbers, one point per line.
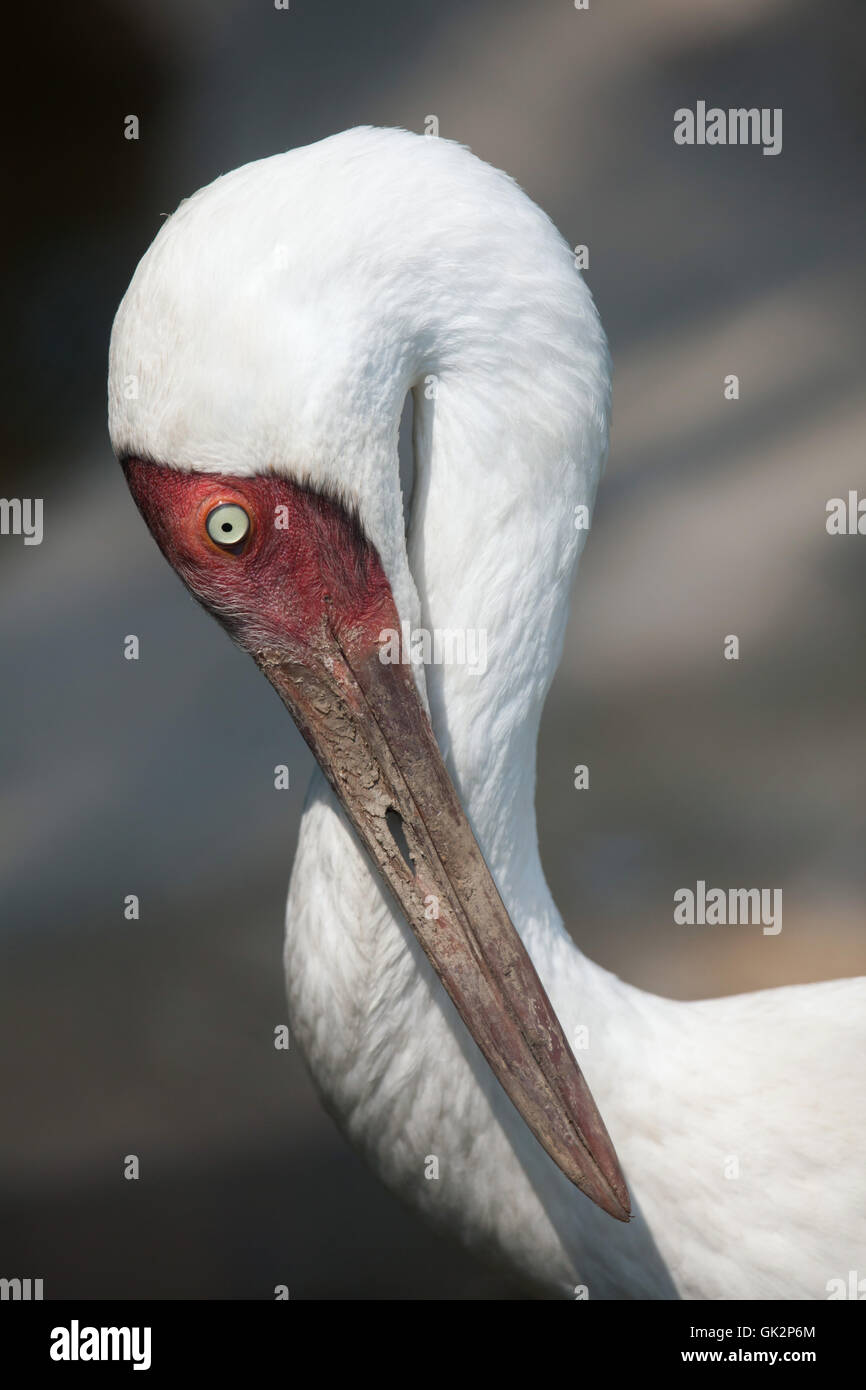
x=259, y=363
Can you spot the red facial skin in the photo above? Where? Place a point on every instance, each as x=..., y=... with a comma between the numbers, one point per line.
x=305, y=567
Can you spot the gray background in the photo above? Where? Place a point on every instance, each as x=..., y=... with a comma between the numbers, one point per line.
x=155, y=1038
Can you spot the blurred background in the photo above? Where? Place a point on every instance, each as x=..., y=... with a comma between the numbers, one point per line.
x=156, y=1037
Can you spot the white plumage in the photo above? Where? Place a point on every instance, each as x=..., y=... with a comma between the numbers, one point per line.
x=277, y=322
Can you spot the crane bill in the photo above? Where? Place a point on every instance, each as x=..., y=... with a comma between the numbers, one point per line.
x=367, y=728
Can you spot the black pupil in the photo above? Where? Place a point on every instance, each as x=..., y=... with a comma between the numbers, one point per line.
x=227, y=526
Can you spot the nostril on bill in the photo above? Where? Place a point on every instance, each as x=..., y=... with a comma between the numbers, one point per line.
x=395, y=824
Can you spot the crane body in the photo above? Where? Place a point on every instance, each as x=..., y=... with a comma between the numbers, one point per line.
x=452, y=1027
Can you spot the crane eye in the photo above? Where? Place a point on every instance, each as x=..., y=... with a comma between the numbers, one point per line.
x=228, y=525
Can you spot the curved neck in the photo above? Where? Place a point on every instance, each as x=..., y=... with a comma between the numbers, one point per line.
x=492, y=546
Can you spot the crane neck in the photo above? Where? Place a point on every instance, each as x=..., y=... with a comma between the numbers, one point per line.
x=492, y=547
